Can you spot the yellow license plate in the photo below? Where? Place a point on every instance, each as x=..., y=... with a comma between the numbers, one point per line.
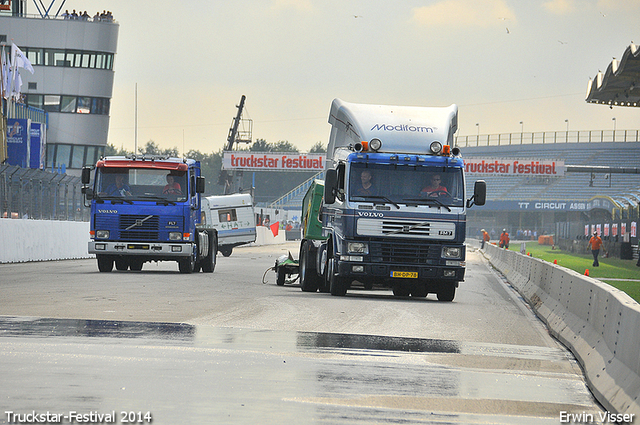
x=405, y=275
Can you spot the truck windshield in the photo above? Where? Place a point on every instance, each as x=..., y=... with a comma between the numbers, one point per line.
x=406, y=184
x=140, y=184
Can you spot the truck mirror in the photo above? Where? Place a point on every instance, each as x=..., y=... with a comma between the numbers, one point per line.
x=192, y=186
x=480, y=192
x=200, y=184
x=88, y=192
x=330, y=186
x=86, y=175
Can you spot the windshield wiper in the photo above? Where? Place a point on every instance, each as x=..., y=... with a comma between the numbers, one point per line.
x=165, y=201
x=432, y=200
x=364, y=198
x=114, y=199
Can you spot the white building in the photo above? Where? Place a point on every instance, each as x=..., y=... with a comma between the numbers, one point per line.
x=73, y=80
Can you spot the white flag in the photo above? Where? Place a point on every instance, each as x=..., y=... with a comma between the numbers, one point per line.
x=5, y=76
x=18, y=59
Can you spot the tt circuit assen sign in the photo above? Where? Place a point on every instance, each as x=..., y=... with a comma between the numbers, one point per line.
x=514, y=167
x=281, y=161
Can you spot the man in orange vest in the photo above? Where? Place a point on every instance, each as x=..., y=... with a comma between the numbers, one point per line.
x=504, y=239
x=596, y=243
x=485, y=238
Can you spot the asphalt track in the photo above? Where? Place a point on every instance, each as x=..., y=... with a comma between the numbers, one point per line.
x=228, y=348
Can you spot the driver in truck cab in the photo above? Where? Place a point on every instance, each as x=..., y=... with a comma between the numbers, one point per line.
x=434, y=186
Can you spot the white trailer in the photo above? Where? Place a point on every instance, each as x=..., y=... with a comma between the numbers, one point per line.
x=233, y=217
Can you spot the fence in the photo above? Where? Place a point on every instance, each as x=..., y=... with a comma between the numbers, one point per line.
x=548, y=137
x=36, y=194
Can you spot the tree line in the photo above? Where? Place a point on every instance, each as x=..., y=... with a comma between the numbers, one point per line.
x=269, y=185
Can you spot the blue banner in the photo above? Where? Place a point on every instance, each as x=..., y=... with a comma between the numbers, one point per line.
x=38, y=145
x=18, y=142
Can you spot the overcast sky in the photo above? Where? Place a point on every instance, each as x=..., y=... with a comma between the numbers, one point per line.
x=500, y=61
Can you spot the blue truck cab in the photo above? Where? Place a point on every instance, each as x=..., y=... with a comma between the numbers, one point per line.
x=148, y=208
x=394, y=203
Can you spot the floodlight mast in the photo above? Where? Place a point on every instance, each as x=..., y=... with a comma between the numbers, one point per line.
x=232, y=179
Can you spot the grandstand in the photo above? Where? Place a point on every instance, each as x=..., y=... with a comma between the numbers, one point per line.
x=538, y=203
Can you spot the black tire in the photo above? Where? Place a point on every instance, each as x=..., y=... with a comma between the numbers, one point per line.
x=187, y=264
x=337, y=285
x=281, y=276
x=135, y=265
x=122, y=264
x=447, y=292
x=226, y=250
x=324, y=280
x=105, y=263
x=309, y=279
x=401, y=290
x=419, y=290
x=209, y=262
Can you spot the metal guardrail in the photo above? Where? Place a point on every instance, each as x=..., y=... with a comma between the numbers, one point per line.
x=35, y=194
x=549, y=137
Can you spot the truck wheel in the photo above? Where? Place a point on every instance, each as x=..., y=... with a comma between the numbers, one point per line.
x=419, y=290
x=105, y=263
x=309, y=279
x=281, y=276
x=401, y=290
x=209, y=262
x=136, y=265
x=337, y=284
x=447, y=292
x=226, y=251
x=324, y=281
x=187, y=264
x=122, y=264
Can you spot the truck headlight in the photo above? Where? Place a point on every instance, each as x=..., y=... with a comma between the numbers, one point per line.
x=175, y=236
x=357, y=248
x=102, y=234
x=451, y=252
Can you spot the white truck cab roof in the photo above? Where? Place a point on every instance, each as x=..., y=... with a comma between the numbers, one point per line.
x=401, y=129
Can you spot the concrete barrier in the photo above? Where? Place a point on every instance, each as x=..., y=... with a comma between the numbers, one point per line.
x=45, y=240
x=41, y=240
x=597, y=322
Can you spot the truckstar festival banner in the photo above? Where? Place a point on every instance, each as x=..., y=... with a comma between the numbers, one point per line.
x=514, y=167
x=281, y=161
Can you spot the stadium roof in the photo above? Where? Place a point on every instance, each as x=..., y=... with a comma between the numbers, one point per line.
x=620, y=84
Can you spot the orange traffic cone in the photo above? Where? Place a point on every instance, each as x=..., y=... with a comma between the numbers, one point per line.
x=555, y=261
x=586, y=272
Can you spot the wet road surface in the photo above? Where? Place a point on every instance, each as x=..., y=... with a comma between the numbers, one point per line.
x=268, y=366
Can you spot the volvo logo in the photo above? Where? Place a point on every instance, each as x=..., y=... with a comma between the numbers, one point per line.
x=406, y=229
x=370, y=214
x=108, y=211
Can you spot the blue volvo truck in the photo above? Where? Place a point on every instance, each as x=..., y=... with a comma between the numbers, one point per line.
x=393, y=207
x=148, y=208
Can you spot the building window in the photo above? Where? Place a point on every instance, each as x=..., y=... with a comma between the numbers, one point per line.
x=33, y=86
x=68, y=104
x=69, y=58
x=84, y=105
x=62, y=156
x=51, y=103
x=73, y=156
x=35, y=100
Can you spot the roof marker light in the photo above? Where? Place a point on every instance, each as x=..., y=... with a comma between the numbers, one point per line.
x=435, y=147
x=375, y=144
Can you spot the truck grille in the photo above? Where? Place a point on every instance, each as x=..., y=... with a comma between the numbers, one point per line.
x=406, y=229
x=139, y=227
x=404, y=253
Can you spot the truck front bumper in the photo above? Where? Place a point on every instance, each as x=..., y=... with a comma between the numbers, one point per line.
x=354, y=270
x=151, y=249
